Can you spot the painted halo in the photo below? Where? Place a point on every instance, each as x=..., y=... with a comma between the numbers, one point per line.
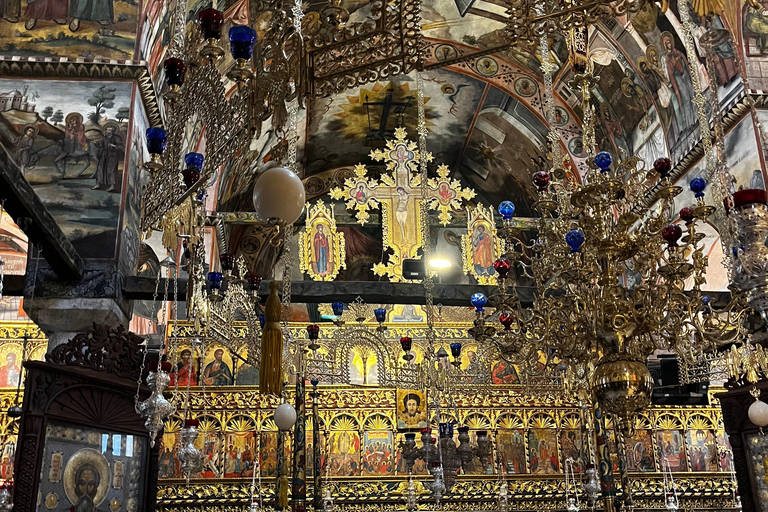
x=80, y=458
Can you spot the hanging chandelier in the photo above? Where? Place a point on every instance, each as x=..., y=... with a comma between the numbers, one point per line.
x=232, y=98
x=627, y=283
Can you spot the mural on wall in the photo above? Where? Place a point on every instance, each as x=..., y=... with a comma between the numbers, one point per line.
x=70, y=140
x=503, y=151
x=367, y=116
x=95, y=29
x=130, y=237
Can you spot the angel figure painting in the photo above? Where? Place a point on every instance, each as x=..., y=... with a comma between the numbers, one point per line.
x=480, y=246
x=321, y=247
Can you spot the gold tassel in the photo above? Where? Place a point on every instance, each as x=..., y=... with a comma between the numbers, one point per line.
x=271, y=370
x=283, y=498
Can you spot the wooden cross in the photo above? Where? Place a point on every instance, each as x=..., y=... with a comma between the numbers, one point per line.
x=399, y=194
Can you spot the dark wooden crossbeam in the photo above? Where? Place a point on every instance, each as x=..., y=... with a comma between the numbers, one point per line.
x=372, y=292
x=21, y=201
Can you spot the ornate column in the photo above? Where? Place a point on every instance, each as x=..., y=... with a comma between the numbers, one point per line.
x=299, y=485
x=605, y=466
x=317, y=491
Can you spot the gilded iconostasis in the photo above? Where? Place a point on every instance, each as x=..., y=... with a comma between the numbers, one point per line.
x=81, y=81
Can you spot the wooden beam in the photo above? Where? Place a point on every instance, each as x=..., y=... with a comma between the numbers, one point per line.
x=21, y=201
x=372, y=292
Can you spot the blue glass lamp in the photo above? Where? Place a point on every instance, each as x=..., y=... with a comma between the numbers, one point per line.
x=507, y=209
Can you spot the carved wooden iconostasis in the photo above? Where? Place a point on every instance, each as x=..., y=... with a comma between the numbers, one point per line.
x=532, y=434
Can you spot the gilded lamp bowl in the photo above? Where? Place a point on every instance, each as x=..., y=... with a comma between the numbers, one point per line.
x=622, y=387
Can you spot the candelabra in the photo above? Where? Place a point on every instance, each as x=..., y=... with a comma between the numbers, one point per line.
x=267, y=77
x=231, y=293
x=445, y=457
x=618, y=285
x=518, y=337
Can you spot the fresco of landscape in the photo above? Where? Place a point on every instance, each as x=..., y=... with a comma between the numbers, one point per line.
x=69, y=138
x=91, y=29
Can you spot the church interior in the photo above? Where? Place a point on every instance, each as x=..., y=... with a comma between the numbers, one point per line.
x=515, y=258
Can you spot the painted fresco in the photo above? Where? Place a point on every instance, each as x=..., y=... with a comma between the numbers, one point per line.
x=670, y=447
x=742, y=158
x=472, y=22
x=639, y=452
x=70, y=139
x=511, y=446
x=702, y=450
x=754, y=31
x=572, y=446
x=96, y=29
x=364, y=117
x=376, y=458
x=130, y=238
x=503, y=151
x=542, y=452
x=344, y=456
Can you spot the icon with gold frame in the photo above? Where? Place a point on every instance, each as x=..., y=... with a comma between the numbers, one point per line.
x=480, y=247
x=321, y=247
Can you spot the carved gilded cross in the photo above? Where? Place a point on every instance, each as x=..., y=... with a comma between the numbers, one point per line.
x=399, y=195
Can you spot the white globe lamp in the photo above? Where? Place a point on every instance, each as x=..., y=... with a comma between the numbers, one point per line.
x=285, y=416
x=278, y=196
x=758, y=413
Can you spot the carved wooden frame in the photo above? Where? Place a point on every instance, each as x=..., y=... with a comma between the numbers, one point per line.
x=94, y=391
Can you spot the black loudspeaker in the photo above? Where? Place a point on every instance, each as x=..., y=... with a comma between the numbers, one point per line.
x=413, y=269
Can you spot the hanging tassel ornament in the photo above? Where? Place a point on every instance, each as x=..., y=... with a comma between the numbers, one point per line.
x=282, y=502
x=271, y=375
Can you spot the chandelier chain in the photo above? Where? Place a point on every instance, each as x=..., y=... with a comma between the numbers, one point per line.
x=424, y=217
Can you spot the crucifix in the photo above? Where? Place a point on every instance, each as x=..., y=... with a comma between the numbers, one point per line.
x=376, y=137
x=399, y=194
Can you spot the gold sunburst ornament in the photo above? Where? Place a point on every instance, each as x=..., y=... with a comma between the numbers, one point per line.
x=400, y=197
x=321, y=247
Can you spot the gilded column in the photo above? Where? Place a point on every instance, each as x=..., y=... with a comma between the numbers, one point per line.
x=299, y=484
x=605, y=466
x=621, y=452
x=317, y=499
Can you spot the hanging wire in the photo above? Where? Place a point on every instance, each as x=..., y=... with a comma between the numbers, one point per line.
x=571, y=487
x=670, y=489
